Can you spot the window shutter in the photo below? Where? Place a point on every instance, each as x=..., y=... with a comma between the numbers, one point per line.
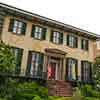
x=76, y=66
x=33, y=31
x=11, y=25
x=19, y=60
x=61, y=38
x=66, y=77
x=44, y=33
x=67, y=40
x=41, y=62
x=23, y=28
x=87, y=44
x=90, y=72
x=82, y=71
x=81, y=43
x=76, y=42
x=51, y=36
x=29, y=63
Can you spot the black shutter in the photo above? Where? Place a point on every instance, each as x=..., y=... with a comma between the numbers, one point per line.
x=82, y=43
x=41, y=62
x=33, y=31
x=51, y=36
x=76, y=42
x=87, y=44
x=23, y=28
x=82, y=71
x=90, y=72
x=76, y=66
x=61, y=38
x=67, y=40
x=66, y=77
x=11, y=25
x=29, y=63
x=44, y=33
x=19, y=60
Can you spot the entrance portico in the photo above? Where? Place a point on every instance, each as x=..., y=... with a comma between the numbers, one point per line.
x=55, y=64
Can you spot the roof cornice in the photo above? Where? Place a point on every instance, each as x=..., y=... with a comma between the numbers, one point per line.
x=65, y=26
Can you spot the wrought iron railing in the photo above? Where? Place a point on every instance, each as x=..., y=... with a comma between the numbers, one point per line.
x=34, y=75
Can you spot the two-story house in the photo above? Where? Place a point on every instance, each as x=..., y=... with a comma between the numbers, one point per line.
x=47, y=49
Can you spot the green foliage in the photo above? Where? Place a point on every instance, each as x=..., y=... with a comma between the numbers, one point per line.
x=29, y=90
x=7, y=65
x=7, y=60
x=77, y=94
x=96, y=71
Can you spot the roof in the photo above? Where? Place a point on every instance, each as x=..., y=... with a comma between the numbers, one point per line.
x=29, y=15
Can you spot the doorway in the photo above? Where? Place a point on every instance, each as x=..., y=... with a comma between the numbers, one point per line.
x=53, y=69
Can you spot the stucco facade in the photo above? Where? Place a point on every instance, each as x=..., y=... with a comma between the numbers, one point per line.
x=27, y=43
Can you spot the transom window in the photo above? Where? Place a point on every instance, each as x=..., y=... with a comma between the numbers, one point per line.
x=57, y=37
x=84, y=44
x=71, y=70
x=72, y=41
x=38, y=32
x=86, y=71
x=17, y=26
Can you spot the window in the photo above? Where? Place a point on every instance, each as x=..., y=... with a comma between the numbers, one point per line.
x=71, y=69
x=35, y=63
x=72, y=41
x=98, y=45
x=18, y=53
x=56, y=37
x=86, y=71
x=84, y=44
x=17, y=26
x=38, y=32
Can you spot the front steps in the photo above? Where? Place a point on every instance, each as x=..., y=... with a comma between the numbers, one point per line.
x=59, y=88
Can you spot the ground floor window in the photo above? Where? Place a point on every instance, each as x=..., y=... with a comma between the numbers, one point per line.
x=86, y=71
x=35, y=63
x=18, y=53
x=71, y=69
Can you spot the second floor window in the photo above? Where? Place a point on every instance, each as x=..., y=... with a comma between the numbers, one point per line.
x=35, y=63
x=56, y=37
x=86, y=71
x=72, y=41
x=71, y=69
x=38, y=32
x=84, y=44
x=18, y=53
x=17, y=26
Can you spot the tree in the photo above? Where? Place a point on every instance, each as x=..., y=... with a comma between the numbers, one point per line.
x=7, y=66
x=96, y=71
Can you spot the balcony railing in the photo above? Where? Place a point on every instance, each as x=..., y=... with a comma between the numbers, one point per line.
x=34, y=75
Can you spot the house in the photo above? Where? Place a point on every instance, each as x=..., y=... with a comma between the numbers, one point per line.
x=96, y=48
x=48, y=50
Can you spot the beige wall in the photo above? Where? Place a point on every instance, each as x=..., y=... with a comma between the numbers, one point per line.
x=28, y=43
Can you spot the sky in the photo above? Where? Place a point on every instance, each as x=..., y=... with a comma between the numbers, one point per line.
x=84, y=14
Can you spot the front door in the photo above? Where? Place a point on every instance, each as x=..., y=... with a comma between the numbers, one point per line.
x=53, y=69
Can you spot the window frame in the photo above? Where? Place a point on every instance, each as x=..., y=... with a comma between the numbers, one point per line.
x=72, y=41
x=30, y=65
x=42, y=33
x=12, y=27
x=69, y=77
x=86, y=45
x=58, y=37
x=18, y=58
x=84, y=77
